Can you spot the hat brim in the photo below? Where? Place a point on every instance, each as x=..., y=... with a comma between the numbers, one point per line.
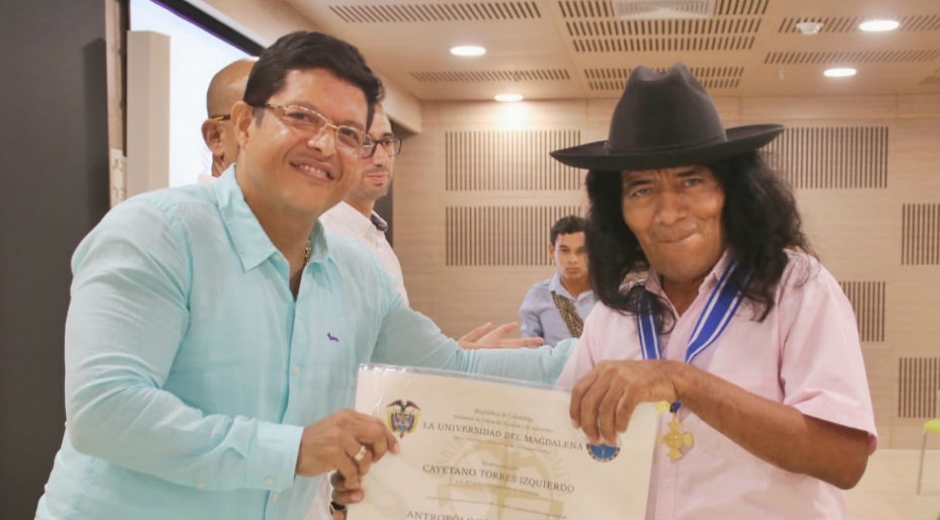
x=740, y=139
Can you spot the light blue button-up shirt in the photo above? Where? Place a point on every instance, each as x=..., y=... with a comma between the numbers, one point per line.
x=540, y=316
x=191, y=370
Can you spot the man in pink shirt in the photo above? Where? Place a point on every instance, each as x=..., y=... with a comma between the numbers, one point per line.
x=712, y=301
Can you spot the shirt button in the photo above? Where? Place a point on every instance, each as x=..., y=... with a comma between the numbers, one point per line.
x=269, y=481
x=273, y=497
x=667, y=483
x=295, y=369
x=201, y=485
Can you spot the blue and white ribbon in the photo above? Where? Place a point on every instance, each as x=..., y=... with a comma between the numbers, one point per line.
x=722, y=304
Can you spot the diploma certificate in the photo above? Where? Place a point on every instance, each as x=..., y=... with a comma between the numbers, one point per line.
x=487, y=448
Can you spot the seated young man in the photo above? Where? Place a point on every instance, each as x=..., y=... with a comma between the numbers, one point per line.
x=555, y=309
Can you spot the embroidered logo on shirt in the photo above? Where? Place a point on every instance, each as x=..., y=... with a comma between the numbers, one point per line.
x=332, y=337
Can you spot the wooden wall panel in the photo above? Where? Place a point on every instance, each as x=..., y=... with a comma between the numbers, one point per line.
x=919, y=382
x=867, y=176
x=501, y=235
x=868, y=301
x=920, y=243
x=845, y=157
x=508, y=160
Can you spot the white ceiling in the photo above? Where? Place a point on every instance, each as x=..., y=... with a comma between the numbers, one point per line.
x=551, y=49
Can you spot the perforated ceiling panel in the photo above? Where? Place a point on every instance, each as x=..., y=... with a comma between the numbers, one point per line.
x=662, y=8
x=492, y=75
x=933, y=79
x=830, y=24
x=843, y=24
x=920, y=23
x=807, y=58
x=541, y=49
x=586, y=9
x=713, y=26
x=437, y=12
x=712, y=78
x=701, y=44
x=603, y=8
x=741, y=7
x=595, y=28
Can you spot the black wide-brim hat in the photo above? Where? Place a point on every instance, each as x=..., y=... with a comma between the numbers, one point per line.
x=664, y=120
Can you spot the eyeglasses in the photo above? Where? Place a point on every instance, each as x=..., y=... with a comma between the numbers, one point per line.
x=391, y=144
x=223, y=117
x=312, y=123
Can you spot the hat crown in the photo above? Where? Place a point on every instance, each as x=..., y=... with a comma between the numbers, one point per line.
x=662, y=111
x=664, y=120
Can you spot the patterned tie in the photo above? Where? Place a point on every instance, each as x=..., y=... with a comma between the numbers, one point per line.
x=569, y=313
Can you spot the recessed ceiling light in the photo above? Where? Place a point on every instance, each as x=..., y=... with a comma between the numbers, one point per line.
x=508, y=97
x=809, y=28
x=879, y=25
x=840, y=72
x=467, y=50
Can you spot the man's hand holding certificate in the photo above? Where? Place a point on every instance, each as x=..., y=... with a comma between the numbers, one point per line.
x=488, y=448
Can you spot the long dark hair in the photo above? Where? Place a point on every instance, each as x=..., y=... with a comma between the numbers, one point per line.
x=760, y=221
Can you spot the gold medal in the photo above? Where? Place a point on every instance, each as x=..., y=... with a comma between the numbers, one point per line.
x=676, y=438
x=720, y=310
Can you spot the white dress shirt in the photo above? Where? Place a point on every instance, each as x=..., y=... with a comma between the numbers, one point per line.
x=345, y=220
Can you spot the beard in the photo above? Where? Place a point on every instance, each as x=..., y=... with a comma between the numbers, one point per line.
x=370, y=193
x=369, y=190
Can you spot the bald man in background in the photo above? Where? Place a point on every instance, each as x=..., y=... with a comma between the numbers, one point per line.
x=226, y=88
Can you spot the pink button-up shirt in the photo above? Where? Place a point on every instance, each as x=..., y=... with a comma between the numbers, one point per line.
x=805, y=354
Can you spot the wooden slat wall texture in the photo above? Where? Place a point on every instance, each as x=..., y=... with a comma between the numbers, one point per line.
x=476, y=193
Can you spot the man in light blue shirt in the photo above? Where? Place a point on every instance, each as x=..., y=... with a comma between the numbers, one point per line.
x=214, y=331
x=555, y=309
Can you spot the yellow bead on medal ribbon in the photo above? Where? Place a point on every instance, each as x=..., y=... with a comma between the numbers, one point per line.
x=662, y=406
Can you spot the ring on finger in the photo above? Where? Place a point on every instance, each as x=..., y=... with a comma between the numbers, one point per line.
x=336, y=506
x=360, y=454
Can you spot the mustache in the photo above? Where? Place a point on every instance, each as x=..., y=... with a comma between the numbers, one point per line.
x=378, y=169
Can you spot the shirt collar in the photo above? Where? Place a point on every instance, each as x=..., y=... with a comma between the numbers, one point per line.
x=320, y=252
x=251, y=242
x=654, y=285
x=359, y=224
x=556, y=286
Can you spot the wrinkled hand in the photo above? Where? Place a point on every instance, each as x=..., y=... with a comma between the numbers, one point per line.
x=603, y=401
x=335, y=442
x=485, y=336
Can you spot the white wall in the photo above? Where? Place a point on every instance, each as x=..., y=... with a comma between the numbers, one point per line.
x=195, y=56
